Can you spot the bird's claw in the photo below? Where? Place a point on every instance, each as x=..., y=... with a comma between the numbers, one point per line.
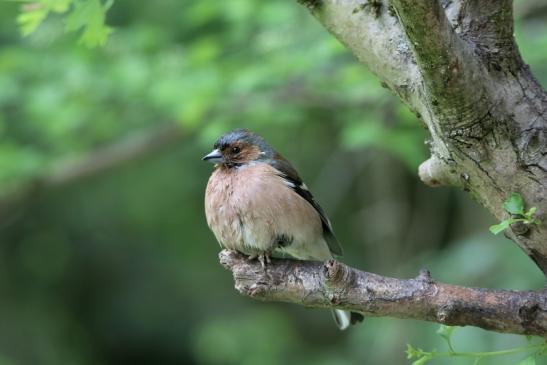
x=264, y=258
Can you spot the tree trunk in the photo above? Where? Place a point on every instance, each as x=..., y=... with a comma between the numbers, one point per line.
x=457, y=66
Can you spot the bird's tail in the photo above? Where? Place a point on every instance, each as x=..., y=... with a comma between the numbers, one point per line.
x=344, y=319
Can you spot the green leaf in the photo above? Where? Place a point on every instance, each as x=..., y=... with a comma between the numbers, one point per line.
x=423, y=360
x=530, y=360
x=59, y=6
x=530, y=213
x=411, y=352
x=89, y=15
x=31, y=17
x=446, y=331
x=33, y=13
x=498, y=228
x=514, y=204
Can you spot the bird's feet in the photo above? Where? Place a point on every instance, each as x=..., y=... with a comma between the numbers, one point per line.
x=264, y=258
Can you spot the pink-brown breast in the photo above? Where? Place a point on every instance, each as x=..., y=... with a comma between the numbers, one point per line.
x=249, y=206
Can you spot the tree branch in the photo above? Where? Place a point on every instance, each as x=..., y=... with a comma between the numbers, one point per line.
x=486, y=21
x=130, y=148
x=488, y=25
x=451, y=73
x=334, y=285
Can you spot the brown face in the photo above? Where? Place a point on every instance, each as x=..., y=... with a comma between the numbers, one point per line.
x=233, y=153
x=239, y=152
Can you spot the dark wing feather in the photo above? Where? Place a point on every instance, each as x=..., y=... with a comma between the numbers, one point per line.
x=288, y=172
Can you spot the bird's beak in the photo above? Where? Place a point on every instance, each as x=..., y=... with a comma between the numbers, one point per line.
x=214, y=157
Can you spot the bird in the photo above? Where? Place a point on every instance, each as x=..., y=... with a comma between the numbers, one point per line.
x=257, y=204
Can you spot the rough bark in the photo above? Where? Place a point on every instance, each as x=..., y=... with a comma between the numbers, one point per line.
x=456, y=65
x=334, y=285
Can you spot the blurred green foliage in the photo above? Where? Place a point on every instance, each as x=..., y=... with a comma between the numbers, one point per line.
x=206, y=66
x=119, y=267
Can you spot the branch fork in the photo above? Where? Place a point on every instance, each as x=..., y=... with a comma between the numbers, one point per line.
x=456, y=64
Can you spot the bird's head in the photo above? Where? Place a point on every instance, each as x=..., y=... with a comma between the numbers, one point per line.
x=239, y=147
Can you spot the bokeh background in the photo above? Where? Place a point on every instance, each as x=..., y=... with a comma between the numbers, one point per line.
x=105, y=256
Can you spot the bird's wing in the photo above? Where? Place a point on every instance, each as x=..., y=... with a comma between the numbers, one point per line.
x=289, y=173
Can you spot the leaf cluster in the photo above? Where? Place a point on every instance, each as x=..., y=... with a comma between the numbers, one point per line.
x=514, y=205
x=534, y=350
x=87, y=16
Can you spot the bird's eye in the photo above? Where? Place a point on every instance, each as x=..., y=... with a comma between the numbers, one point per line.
x=236, y=150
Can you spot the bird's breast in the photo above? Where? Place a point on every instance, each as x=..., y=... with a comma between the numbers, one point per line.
x=221, y=212
x=249, y=208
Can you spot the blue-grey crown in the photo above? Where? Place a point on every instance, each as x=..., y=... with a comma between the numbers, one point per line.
x=246, y=136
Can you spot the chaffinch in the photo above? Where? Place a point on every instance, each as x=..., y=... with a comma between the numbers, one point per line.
x=257, y=204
